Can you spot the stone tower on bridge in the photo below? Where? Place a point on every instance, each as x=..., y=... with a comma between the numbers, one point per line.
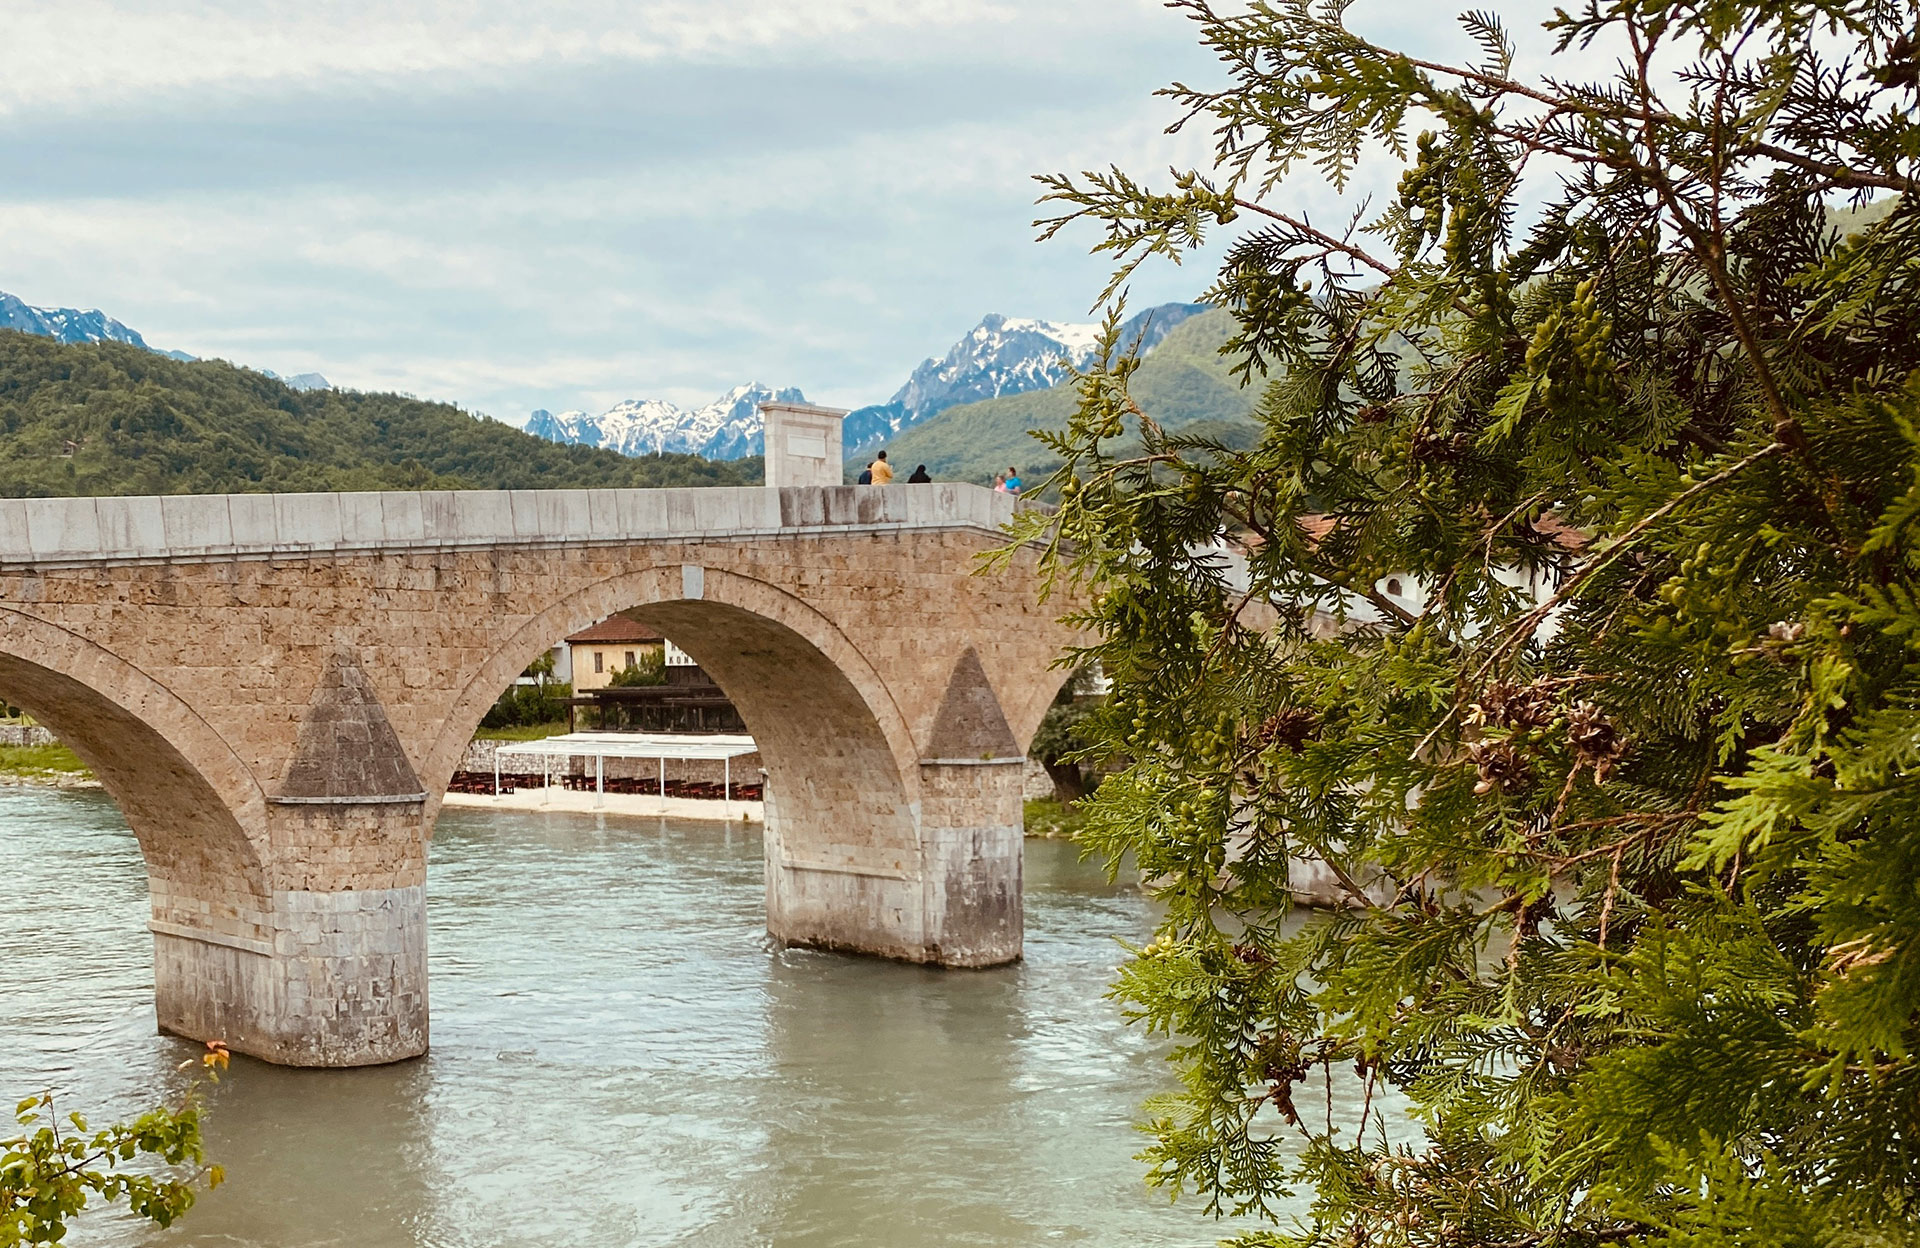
x=277, y=689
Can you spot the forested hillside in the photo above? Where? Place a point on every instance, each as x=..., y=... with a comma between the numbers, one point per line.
x=1183, y=383
x=106, y=418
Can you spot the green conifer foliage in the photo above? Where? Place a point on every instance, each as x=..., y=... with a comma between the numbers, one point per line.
x=1621, y=780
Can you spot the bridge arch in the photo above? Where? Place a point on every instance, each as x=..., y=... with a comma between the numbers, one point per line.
x=194, y=806
x=840, y=758
x=757, y=641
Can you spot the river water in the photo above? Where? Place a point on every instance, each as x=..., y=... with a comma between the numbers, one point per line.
x=620, y=1057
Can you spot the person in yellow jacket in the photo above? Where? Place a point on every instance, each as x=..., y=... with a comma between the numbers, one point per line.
x=882, y=470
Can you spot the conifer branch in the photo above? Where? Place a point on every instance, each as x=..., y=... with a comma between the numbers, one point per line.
x=1531, y=621
x=1734, y=684
x=1320, y=236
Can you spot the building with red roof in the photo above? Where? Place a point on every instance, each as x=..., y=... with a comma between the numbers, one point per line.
x=615, y=643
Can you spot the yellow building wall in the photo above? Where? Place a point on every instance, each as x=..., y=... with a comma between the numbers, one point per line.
x=614, y=655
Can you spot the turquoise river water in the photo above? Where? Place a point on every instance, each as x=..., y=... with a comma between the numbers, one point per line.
x=620, y=1057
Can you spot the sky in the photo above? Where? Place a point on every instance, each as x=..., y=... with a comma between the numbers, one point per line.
x=513, y=205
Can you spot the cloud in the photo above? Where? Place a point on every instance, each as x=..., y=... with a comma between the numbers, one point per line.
x=97, y=51
x=564, y=205
x=608, y=201
x=836, y=265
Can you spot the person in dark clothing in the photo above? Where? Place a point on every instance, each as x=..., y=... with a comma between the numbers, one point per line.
x=865, y=477
x=920, y=476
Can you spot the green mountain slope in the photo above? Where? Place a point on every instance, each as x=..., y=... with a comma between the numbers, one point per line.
x=1183, y=383
x=106, y=418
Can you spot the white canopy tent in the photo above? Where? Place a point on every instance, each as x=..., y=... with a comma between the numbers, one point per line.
x=600, y=746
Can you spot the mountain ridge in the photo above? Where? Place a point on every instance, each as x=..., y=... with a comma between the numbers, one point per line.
x=1003, y=377
x=73, y=325
x=299, y=381
x=69, y=325
x=1184, y=384
x=110, y=418
x=727, y=428
x=999, y=356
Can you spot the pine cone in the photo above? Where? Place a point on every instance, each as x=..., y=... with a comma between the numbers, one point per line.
x=1442, y=450
x=1252, y=955
x=1289, y=729
x=1501, y=765
x=1507, y=705
x=1596, y=743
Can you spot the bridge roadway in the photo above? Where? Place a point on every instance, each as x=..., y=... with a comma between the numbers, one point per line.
x=277, y=689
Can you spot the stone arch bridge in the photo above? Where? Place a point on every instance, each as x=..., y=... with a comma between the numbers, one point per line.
x=277, y=689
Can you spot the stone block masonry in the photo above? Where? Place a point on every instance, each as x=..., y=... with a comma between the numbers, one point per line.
x=25, y=734
x=277, y=689
x=342, y=983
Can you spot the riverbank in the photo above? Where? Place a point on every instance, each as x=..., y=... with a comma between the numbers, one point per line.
x=42, y=762
x=48, y=780
x=1051, y=820
x=29, y=767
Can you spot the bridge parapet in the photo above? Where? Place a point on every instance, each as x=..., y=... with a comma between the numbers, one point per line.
x=185, y=527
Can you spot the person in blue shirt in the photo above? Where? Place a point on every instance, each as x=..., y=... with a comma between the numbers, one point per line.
x=1013, y=481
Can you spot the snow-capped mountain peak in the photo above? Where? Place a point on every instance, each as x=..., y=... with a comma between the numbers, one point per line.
x=65, y=324
x=1078, y=340
x=727, y=428
x=1002, y=355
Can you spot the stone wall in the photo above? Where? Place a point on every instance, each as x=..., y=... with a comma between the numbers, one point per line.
x=48, y=532
x=25, y=734
x=1035, y=782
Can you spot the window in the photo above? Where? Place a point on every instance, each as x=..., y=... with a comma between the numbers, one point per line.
x=1393, y=587
x=599, y=662
x=629, y=658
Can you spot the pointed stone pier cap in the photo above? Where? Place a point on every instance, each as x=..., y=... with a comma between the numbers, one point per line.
x=970, y=727
x=803, y=444
x=347, y=752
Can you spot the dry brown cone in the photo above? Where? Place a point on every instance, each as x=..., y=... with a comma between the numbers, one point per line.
x=1289, y=729
x=1501, y=765
x=1596, y=743
x=1509, y=705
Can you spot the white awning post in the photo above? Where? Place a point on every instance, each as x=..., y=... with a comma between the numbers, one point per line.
x=663, y=784
x=726, y=802
x=496, y=771
x=599, y=781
